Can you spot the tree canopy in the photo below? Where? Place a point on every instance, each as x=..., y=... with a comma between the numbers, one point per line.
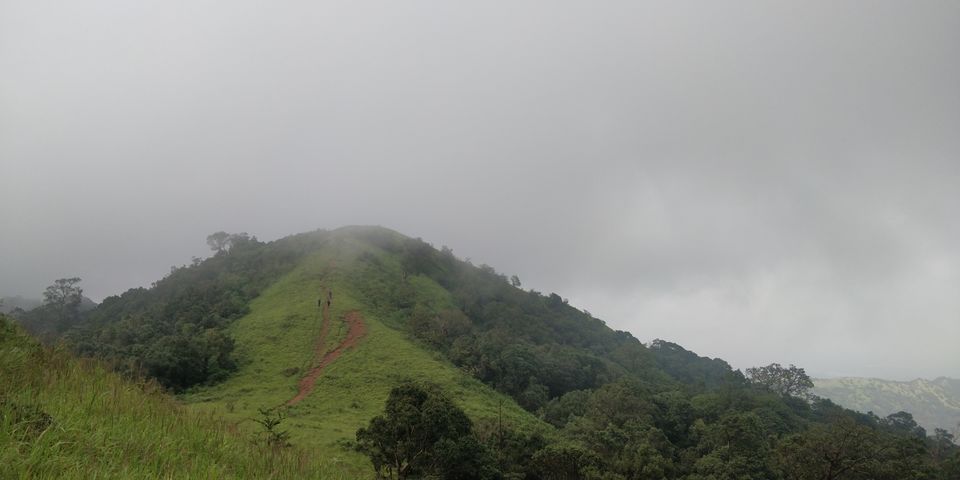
x=422, y=433
x=788, y=382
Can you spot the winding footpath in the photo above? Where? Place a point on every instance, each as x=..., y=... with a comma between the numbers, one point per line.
x=356, y=330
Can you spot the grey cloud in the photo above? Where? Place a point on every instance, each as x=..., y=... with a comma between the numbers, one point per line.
x=758, y=181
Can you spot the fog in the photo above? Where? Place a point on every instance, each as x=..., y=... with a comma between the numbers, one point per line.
x=759, y=181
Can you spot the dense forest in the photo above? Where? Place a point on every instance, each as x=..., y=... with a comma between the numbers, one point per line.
x=624, y=410
x=614, y=408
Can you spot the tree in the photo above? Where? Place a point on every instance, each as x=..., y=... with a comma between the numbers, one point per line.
x=515, y=281
x=786, y=382
x=188, y=358
x=218, y=241
x=564, y=461
x=270, y=419
x=845, y=449
x=222, y=241
x=64, y=298
x=736, y=446
x=902, y=423
x=423, y=433
x=514, y=449
x=950, y=469
x=942, y=444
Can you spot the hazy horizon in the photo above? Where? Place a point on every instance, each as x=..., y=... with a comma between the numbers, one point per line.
x=757, y=182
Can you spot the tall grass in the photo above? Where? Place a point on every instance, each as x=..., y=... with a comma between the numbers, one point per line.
x=62, y=417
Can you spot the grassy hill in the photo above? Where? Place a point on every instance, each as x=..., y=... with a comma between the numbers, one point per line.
x=933, y=403
x=321, y=327
x=276, y=344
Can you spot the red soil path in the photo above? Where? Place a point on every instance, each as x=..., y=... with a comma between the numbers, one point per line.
x=356, y=330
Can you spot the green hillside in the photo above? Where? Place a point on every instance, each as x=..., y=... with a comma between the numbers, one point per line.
x=933, y=403
x=436, y=359
x=237, y=332
x=276, y=344
x=64, y=418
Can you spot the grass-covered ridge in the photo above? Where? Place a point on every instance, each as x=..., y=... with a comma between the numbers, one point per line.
x=68, y=418
x=275, y=345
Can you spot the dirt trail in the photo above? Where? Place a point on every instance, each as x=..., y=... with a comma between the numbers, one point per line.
x=324, y=328
x=356, y=330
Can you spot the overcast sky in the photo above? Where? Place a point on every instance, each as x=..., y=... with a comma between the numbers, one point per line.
x=759, y=181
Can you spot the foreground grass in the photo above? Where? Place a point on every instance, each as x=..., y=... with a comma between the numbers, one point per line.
x=277, y=339
x=61, y=417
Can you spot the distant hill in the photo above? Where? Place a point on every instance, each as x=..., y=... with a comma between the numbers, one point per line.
x=933, y=403
x=9, y=304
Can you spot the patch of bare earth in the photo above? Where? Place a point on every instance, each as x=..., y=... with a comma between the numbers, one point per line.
x=356, y=329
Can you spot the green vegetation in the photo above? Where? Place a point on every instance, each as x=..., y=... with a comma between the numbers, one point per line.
x=691, y=370
x=621, y=410
x=422, y=433
x=61, y=308
x=786, y=382
x=276, y=343
x=535, y=388
x=529, y=346
x=66, y=418
x=175, y=331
